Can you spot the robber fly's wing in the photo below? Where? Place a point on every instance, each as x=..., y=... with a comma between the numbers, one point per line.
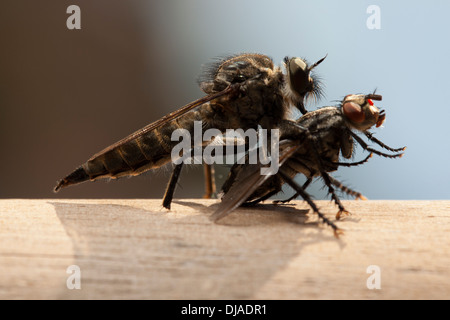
x=247, y=180
x=169, y=117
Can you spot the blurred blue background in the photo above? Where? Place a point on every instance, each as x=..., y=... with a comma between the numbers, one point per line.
x=66, y=94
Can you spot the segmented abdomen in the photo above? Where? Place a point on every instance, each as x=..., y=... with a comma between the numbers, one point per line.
x=134, y=156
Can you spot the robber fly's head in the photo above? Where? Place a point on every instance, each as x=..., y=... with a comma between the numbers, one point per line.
x=361, y=113
x=299, y=77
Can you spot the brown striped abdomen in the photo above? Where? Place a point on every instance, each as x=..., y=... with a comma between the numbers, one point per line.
x=144, y=151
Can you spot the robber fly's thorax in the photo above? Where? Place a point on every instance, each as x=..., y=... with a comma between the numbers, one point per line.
x=259, y=101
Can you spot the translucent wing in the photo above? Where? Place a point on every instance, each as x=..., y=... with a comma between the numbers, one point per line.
x=169, y=117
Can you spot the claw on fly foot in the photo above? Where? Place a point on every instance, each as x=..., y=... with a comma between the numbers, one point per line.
x=342, y=212
x=338, y=232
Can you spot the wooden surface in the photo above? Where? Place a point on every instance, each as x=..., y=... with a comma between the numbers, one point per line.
x=134, y=249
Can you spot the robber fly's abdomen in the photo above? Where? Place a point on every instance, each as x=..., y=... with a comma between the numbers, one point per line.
x=134, y=156
x=130, y=158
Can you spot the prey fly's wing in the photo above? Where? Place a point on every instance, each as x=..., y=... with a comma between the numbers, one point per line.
x=247, y=180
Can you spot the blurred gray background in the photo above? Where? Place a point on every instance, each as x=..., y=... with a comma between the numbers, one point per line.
x=67, y=94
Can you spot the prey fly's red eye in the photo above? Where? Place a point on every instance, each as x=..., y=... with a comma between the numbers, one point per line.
x=354, y=112
x=370, y=102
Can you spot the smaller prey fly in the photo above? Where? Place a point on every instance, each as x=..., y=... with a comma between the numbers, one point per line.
x=312, y=147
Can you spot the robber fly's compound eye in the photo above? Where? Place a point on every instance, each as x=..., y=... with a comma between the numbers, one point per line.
x=239, y=78
x=298, y=74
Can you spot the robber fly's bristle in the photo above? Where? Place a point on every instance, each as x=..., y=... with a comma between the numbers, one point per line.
x=317, y=92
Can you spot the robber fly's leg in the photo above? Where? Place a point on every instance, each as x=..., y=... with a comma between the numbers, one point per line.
x=295, y=196
x=347, y=190
x=168, y=195
x=366, y=147
x=210, y=183
x=308, y=199
x=370, y=136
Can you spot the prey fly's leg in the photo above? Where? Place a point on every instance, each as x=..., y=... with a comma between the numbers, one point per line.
x=296, y=195
x=170, y=190
x=210, y=181
x=326, y=178
x=370, y=136
x=347, y=190
x=263, y=198
x=308, y=199
x=353, y=164
x=306, y=134
x=366, y=147
x=341, y=186
x=335, y=182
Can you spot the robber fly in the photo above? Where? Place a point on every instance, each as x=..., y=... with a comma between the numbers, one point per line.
x=313, y=149
x=243, y=91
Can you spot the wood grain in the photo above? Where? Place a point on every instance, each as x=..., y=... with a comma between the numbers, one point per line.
x=133, y=249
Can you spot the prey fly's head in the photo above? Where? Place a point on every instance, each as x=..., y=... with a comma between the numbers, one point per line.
x=300, y=80
x=360, y=111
